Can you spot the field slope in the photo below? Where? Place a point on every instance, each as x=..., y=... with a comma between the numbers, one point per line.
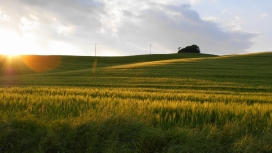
x=145, y=103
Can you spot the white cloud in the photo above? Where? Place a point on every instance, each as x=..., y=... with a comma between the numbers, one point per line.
x=4, y=17
x=263, y=15
x=237, y=18
x=194, y=1
x=27, y=25
x=210, y=18
x=235, y=27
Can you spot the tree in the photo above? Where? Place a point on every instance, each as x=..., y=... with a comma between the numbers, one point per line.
x=189, y=49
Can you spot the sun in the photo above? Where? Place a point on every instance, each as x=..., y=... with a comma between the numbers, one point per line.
x=13, y=45
x=10, y=43
x=12, y=56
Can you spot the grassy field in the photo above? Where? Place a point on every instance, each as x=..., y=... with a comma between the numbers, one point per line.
x=146, y=103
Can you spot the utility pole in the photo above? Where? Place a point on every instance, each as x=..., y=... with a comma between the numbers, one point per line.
x=95, y=50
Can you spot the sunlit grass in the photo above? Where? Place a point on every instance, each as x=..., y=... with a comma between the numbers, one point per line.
x=138, y=104
x=210, y=116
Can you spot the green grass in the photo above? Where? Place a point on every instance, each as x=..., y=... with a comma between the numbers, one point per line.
x=146, y=103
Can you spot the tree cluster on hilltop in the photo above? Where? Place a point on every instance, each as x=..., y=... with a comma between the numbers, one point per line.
x=189, y=49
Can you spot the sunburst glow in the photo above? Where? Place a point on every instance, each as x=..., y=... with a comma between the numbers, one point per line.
x=12, y=56
x=9, y=43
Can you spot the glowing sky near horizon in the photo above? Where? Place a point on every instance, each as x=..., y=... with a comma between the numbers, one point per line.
x=72, y=27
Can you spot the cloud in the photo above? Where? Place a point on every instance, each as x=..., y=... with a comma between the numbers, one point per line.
x=237, y=18
x=120, y=27
x=263, y=15
x=194, y=1
x=169, y=27
x=210, y=18
x=70, y=22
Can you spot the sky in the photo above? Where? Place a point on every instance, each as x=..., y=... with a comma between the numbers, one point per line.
x=133, y=27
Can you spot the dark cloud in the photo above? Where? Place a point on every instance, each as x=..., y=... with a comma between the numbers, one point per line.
x=127, y=13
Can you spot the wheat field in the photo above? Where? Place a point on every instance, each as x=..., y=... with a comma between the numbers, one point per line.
x=149, y=103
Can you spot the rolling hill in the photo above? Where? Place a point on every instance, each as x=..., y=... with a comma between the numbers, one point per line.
x=249, y=71
x=141, y=104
